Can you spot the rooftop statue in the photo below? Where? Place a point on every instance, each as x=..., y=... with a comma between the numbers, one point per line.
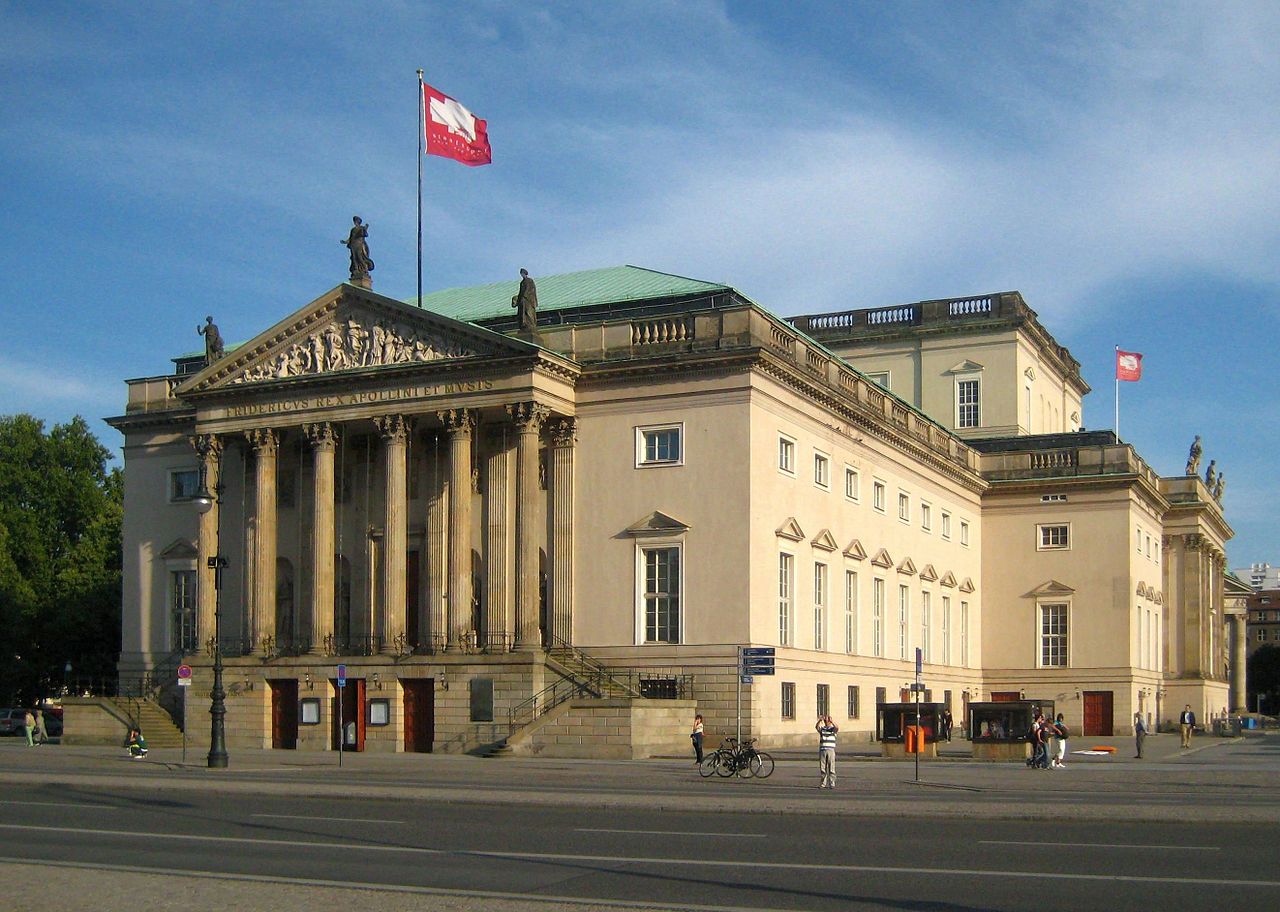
x=212, y=340
x=1220, y=487
x=1211, y=474
x=357, y=243
x=1193, y=458
x=526, y=302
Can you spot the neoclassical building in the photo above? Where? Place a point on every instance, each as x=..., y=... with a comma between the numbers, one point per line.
x=557, y=540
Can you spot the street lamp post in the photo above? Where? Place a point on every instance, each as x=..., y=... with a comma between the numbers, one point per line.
x=204, y=501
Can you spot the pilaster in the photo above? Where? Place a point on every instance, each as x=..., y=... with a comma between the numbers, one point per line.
x=564, y=437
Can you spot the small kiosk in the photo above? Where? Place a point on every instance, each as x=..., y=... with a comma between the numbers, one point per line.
x=999, y=731
x=898, y=734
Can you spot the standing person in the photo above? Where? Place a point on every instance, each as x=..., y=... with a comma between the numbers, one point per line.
x=826, y=730
x=1187, y=723
x=1139, y=733
x=696, y=735
x=42, y=734
x=1060, y=735
x=29, y=722
x=1036, y=736
x=946, y=724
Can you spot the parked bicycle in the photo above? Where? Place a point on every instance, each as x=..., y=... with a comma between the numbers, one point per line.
x=734, y=759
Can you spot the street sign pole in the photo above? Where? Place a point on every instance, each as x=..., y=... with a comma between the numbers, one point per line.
x=342, y=732
x=739, y=694
x=917, y=689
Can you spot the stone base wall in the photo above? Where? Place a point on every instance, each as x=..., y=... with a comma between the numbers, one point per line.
x=616, y=729
x=90, y=720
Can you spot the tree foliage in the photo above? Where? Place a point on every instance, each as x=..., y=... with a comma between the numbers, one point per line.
x=60, y=552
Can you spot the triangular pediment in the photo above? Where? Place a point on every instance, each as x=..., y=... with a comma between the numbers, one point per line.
x=348, y=330
x=965, y=367
x=1159, y=597
x=1142, y=589
x=908, y=566
x=928, y=574
x=967, y=585
x=657, y=523
x=790, y=530
x=824, y=541
x=180, y=549
x=1050, y=588
x=948, y=580
x=855, y=550
x=882, y=559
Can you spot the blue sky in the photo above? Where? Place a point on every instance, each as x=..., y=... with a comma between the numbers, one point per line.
x=1118, y=164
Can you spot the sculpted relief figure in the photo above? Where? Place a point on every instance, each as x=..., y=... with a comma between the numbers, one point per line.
x=1193, y=458
x=357, y=244
x=213, y=348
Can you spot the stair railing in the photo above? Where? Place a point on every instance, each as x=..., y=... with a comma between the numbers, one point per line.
x=591, y=668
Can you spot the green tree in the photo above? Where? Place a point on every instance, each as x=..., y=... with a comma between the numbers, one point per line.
x=60, y=521
x=1263, y=675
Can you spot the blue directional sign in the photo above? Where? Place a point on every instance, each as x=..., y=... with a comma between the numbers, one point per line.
x=747, y=679
x=919, y=662
x=757, y=661
x=758, y=651
x=342, y=675
x=758, y=669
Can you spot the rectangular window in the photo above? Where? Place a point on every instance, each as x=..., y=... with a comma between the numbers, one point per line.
x=824, y=700
x=877, y=495
x=926, y=606
x=946, y=630
x=854, y=701
x=183, y=485
x=662, y=595
x=182, y=606
x=1148, y=546
x=821, y=470
x=850, y=612
x=904, y=611
x=1053, y=636
x=786, y=586
x=964, y=533
x=788, y=700
x=786, y=455
x=1053, y=537
x=967, y=415
x=904, y=507
x=1137, y=534
x=1053, y=498
x=819, y=606
x=660, y=445
x=877, y=617
x=879, y=378
x=851, y=483
x=946, y=525
x=964, y=634
x=926, y=517
x=1262, y=635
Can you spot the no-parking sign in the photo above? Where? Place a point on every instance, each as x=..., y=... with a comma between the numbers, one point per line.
x=184, y=675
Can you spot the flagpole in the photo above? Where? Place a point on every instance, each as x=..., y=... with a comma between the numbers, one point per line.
x=1115, y=369
x=421, y=128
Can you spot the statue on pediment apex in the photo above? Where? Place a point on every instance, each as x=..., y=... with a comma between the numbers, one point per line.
x=213, y=348
x=357, y=244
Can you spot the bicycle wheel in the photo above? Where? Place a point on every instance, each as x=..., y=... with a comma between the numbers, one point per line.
x=762, y=766
x=744, y=766
x=709, y=764
x=726, y=765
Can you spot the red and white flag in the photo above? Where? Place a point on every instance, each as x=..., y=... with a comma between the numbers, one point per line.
x=453, y=131
x=1128, y=365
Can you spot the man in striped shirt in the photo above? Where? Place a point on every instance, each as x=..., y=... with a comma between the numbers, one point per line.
x=827, y=751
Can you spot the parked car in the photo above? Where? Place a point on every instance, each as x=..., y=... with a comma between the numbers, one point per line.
x=12, y=721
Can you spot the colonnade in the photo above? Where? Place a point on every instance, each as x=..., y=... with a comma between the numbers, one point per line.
x=511, y=539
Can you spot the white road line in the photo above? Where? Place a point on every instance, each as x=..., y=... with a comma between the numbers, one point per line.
x=348, y=847
x=63, y=804
x=335, y=819
x=669, y=833
x=1100, y=845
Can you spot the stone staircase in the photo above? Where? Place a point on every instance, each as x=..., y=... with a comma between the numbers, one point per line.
x=156, y=724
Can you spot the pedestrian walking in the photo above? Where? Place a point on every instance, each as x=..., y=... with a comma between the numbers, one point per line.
x=29, y=723
x=826, y=752
x=1039, y=743
x=1187, y=723
x=946, y=724
x=1139, y=733
x=42, y=734
x=1060, y=735
x=696, y=735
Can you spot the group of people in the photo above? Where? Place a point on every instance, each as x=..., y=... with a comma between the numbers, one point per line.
x=1048, y=743
x=826, y=729
x=35, y=729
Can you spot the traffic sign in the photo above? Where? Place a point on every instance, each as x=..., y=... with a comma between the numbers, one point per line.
x=757, y=669
x=758, y=651
x=757, y=662
x=342, y=675
x=184, y=674
x=919, y=662
x=747, y=679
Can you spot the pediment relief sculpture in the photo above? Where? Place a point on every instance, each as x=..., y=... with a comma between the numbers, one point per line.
x=355, y=343
x=790, y=530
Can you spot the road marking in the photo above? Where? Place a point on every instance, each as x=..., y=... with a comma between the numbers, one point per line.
x=63, y=804
x=1099, y=845
x=553, y=858
x=669, y=833
x=335, y=819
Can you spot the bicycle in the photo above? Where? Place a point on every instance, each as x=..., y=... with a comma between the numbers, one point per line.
x=734, y=759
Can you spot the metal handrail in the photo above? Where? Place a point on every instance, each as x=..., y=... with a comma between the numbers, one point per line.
x=592, y=667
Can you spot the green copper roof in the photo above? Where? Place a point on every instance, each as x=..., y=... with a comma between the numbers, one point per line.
x=617, y=284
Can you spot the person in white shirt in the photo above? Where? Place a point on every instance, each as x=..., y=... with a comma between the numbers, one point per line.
x=826, y=730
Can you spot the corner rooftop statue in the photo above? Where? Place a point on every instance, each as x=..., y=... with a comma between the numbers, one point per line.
x=525, y=301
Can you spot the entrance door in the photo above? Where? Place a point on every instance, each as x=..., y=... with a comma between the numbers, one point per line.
x=419, y=714
x=352, y=697
x=284, y=714
x=1097, y=712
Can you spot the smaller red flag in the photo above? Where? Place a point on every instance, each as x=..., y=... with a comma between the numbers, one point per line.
x=452, y=131
x=1128, y=365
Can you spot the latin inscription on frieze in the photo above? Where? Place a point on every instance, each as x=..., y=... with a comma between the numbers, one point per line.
x=360, y=397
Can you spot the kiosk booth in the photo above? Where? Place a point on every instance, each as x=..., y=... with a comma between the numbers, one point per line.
x=898, y=734
x=1000, y=731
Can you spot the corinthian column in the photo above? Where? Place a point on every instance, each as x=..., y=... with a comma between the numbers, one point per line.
x=437, y=510
x=497, y=496
x=528, y=418
x=395, y=538
x=1239, y=651
x=459, y=423
x=209, y=448
x=564, y=434
x=324, y=440
x=265, y=442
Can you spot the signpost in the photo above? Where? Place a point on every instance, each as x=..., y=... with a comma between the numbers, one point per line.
x=184, y=681
x=916, y=688
x=342, y=733
x=752, y=661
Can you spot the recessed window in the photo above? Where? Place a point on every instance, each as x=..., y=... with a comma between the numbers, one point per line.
x=786, y=587
x=964, y=634
x=904, y=507
x=821, y=470
x=880, y=379
x=946, y=630
x=1148, y=546
x=658, y=446
x=964, y=533
x=788, y=700
x=877, y=617
x=967, y=410
x=851, y=483
x=854, y=701
x=1054, y=537
x=824, y=700
x=877, y=495
x=660, y=598
x=926, y=634
x=904, y=612
x=1053, y=498
x=182, y=609
x=819, y=606
x=1053, y=636
x=787, y=455
x=946, y=525
x=926, y=517
x=850, y=612
x=183, y=485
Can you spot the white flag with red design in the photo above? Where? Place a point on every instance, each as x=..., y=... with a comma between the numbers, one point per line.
x=452, y=131
x=1128, y=365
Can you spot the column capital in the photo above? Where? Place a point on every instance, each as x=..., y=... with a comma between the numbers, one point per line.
x=564, y=432
x=263, y=440
x=321, y=435
x=394, y=428
x=457, y=421
x=528, y=416
x=207, y=446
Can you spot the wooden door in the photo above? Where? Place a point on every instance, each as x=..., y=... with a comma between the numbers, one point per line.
x=1098, y=710
x=1005, y=696
x=352, y=697
x=419, y=714
x=412, y=579
x=284, y=714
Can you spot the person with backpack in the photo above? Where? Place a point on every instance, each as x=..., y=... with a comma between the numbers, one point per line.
x=1060, y=735
x=1039, y=744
